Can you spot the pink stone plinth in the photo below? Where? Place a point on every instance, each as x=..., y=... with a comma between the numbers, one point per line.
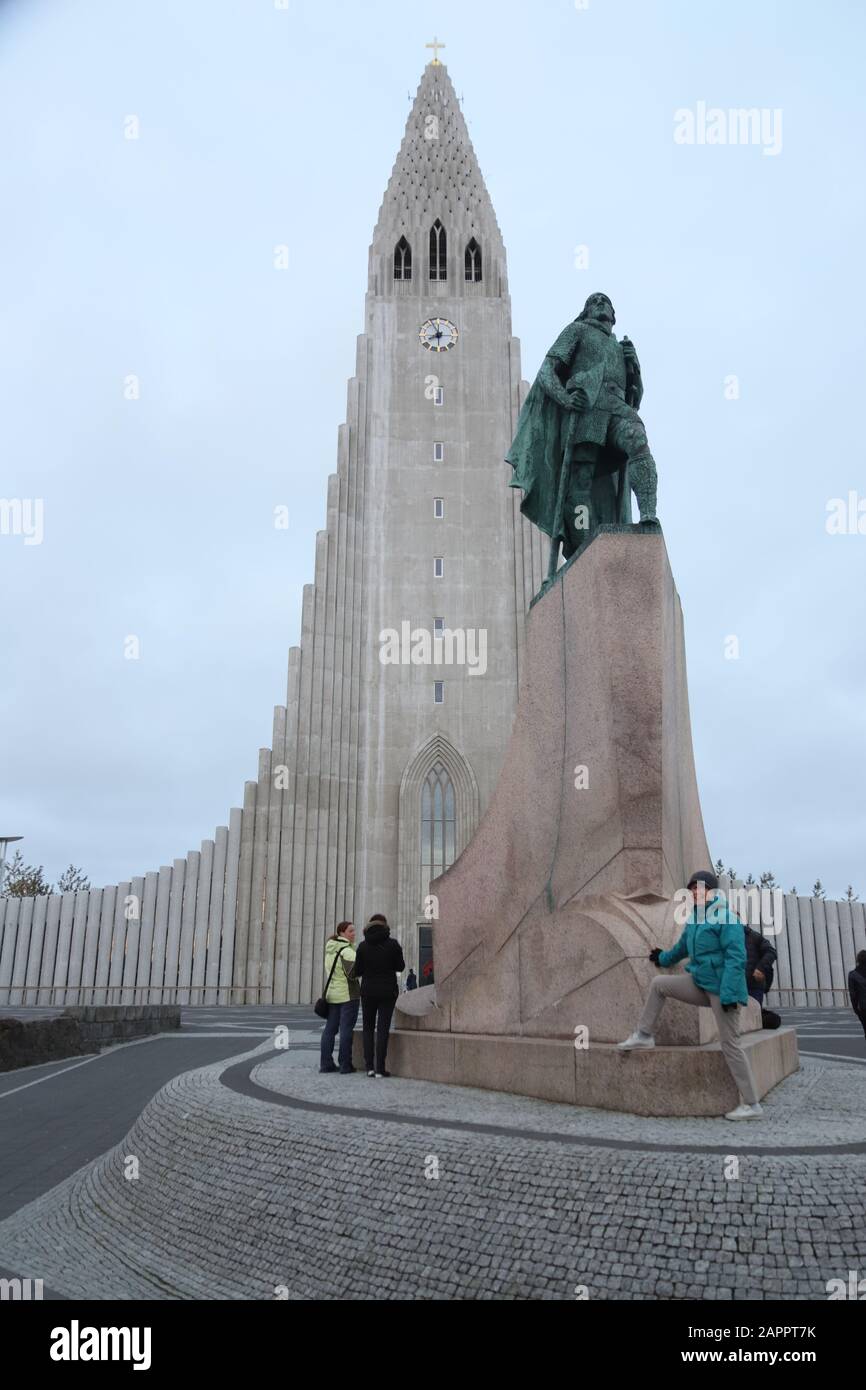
x=663, y=1081
x=547, y=918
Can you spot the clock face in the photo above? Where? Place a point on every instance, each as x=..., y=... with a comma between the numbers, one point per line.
x=438, y=335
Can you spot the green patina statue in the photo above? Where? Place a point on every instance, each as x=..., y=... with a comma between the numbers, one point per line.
x=581, y=447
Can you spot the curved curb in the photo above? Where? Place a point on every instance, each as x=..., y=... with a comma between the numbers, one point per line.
x=237, y=1078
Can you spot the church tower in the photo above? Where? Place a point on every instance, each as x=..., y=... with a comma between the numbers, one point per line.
x=444, y=546
x=393, y=736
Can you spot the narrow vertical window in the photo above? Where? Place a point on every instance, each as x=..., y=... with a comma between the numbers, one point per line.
x=438, y=818
x=438, y=252
x=438, y=692
x=473, y=261
x=402, y=260
x=438, y=627
x=438, y=395
x=438, y=567
x=438, y=453
x=438, y=508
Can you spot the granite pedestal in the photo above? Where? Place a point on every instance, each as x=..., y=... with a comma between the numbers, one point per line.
x=547, y=918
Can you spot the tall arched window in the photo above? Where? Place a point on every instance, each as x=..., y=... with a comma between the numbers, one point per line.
x=473, y=261
x=438, y=826
x=438, y=252
x=402, y=260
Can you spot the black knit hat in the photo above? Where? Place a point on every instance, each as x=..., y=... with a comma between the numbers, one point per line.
x=704, y=876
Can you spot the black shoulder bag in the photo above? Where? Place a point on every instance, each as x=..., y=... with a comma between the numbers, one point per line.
x=321, y=1005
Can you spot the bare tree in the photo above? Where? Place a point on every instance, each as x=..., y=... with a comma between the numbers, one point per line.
x=24, y=880
x=72, y=880
x=29, y=881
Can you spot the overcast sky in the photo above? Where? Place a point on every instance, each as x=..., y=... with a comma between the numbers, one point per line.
x=260, y=125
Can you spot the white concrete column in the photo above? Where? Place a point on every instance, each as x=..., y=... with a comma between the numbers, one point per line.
x=76, y=948
x=187, y=925
x=794, y=931
x=103, y=950
x=215, y=917
x=245, y=884
x=146, y=933
x=299, y=929
x=822, y=952
x=160, y=936
x=22, y=949
x=777, y=934
x=287, y=822
x=202, y=909
x=34, y=955
x=834, y=944
x=133, y=911
x=255, y=924
x=807, y=941
x=49, y=950
x=7, y=947
x=272, y=863
x=846, y=935
x=329, y=790
x=118, y=943
x=230, y=901
x=858, y=926
x=172, y=948
x=91, y=945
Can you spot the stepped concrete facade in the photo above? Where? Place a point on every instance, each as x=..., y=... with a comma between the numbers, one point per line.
x=376, y=775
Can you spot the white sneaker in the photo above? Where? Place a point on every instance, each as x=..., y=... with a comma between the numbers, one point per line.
x=637, y=1039
x=745, y=1112
x=371, y=1073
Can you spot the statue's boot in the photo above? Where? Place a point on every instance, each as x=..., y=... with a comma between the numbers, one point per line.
x=644, y=482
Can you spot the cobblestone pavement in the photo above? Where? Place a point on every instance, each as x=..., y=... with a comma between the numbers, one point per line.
x=820, y=1105
x=240, y=1198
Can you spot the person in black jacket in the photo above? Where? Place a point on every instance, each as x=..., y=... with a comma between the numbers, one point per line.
x=857, y=988
x=760, y=957
x=376, y=965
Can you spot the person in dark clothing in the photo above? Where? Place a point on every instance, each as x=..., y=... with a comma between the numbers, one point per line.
x=377, y=963
x=411, y=979
x=857, y=988
x=760, y=957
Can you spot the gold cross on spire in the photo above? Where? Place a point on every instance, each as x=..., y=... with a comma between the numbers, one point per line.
x=435, y=45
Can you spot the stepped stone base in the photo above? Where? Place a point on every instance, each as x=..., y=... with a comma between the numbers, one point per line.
x=660, y=1081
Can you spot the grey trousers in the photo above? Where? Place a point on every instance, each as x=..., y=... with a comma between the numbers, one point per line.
x=683, y=988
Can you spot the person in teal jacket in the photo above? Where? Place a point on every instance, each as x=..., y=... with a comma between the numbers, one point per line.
x=714, y=945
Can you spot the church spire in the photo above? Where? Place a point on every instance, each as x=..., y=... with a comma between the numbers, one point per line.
x=436, y=174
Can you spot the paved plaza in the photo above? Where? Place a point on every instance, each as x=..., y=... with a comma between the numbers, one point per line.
x=256, y=1178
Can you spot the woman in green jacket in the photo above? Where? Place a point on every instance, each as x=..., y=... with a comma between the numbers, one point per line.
x=343, y=997
x=714, y=978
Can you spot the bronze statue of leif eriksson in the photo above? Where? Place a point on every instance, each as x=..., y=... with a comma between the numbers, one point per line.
x=581, y=448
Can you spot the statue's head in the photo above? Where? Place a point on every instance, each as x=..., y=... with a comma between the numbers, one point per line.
x=599, y=307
